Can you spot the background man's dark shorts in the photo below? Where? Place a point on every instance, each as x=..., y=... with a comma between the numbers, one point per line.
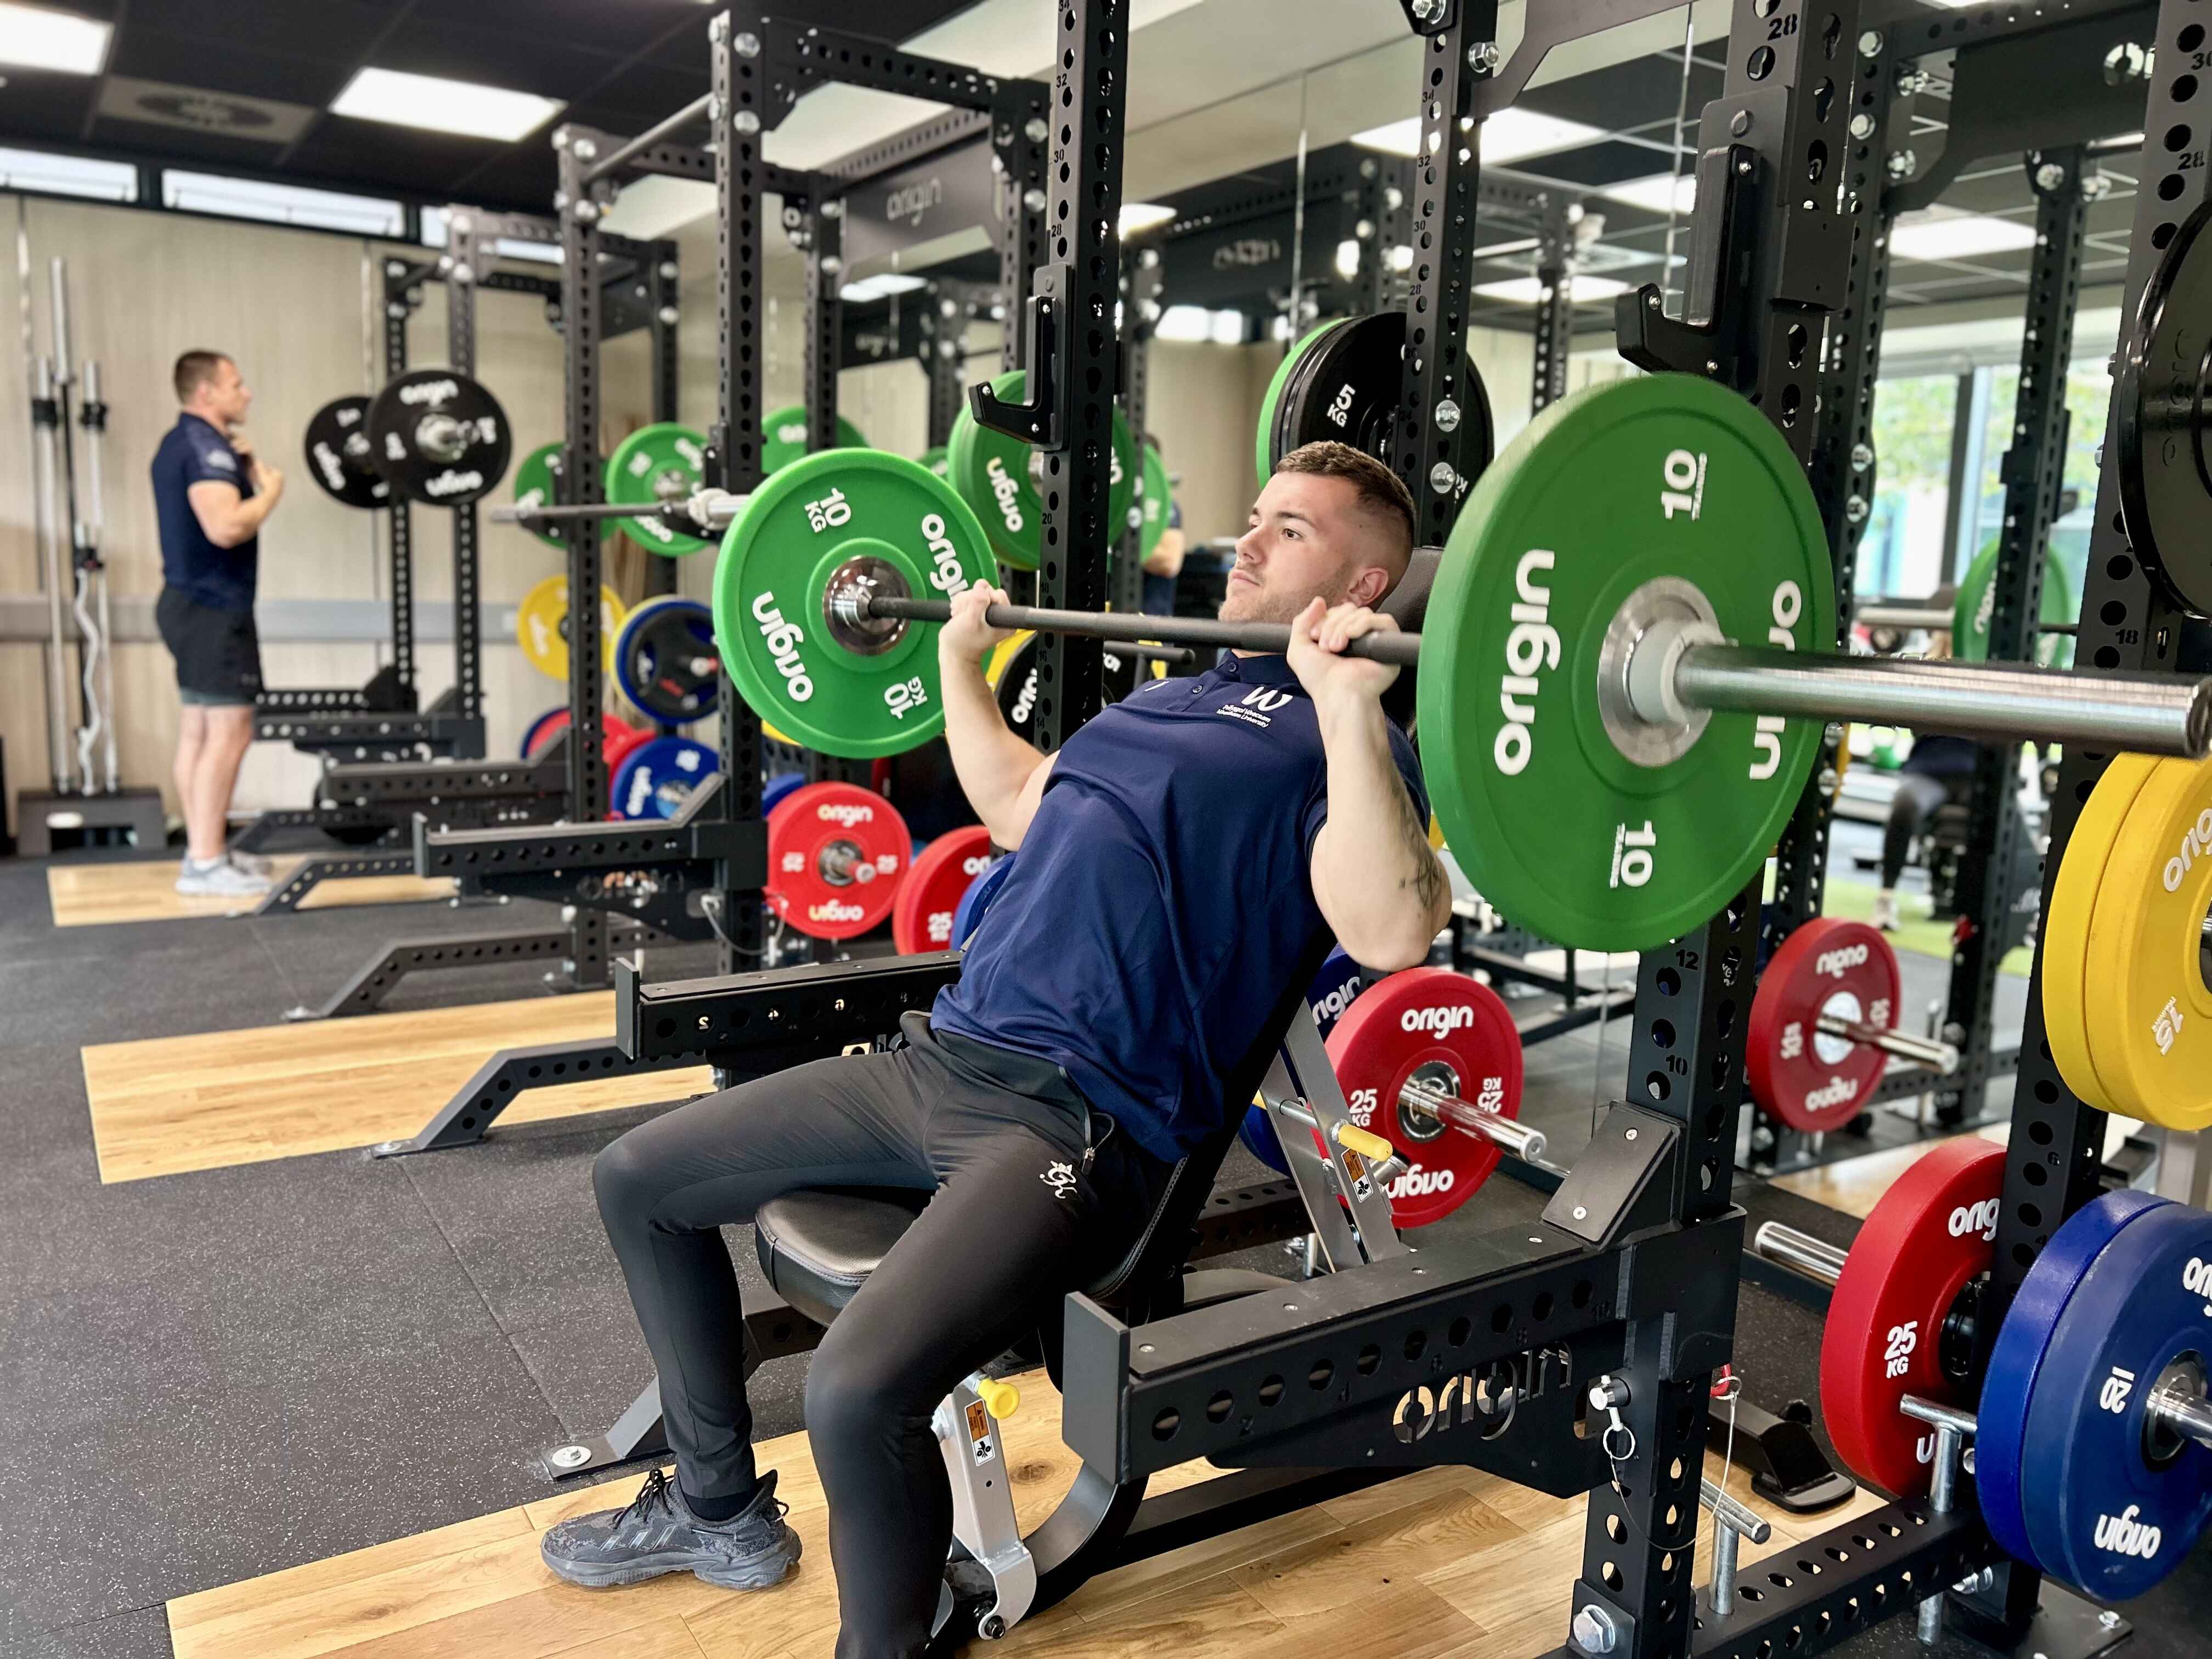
x=218, y=652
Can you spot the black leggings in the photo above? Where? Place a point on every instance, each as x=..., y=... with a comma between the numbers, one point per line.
x=1917, y=797
x=1015, y=1224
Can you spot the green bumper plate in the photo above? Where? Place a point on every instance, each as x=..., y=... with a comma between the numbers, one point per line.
x=991, y=471
x=536, y=483
x=936, y=459
x=1970, y=629
x=1155, y=502
x=783, y=437
x=777, y=562
x=656, y=464
x=1663, y=476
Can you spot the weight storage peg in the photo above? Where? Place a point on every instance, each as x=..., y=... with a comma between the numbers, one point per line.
x=1820, y=1036
x=1626, y=648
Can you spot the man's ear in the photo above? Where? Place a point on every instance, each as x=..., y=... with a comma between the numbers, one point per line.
x=1370, y=586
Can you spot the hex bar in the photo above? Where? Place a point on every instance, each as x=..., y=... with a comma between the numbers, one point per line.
x=2151, y=715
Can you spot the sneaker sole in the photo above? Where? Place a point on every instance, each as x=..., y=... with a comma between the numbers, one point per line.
x=757, y=1574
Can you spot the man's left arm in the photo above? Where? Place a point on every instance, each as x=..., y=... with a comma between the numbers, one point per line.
x=1375, y=875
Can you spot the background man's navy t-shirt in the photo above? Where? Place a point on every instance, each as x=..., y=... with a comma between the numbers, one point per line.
x=221, y=578
x=1161, y=903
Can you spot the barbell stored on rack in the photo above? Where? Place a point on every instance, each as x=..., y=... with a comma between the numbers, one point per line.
x=1610, y=554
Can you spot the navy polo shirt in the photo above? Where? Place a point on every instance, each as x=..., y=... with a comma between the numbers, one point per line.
x=1161, y=900
x=221, y=578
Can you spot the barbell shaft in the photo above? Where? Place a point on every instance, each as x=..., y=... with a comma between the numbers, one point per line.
x=2183, y=1410
x=2148, y=714
x=716, y=509
x=1923, y=1051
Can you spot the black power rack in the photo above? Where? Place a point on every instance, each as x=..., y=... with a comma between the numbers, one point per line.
x=1630, y=1279
x=2062, y=53
x=700, y=875
x=385, y=762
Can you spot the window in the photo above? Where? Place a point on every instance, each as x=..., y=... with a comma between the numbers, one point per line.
x=1902, y=552
x=68, y=175
x=2088, y=401
x=281, y=204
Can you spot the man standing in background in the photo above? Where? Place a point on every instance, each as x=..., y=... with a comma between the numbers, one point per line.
x=1164, y=564
x=211, y=494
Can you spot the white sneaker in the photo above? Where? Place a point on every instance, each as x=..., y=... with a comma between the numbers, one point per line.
x=1885, y=912
x=253, y=863
x=219, y=878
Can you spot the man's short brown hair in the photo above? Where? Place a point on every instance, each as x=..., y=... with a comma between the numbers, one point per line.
x=194, y=369
x=1380, y=488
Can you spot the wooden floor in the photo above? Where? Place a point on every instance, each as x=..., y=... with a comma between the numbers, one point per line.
x=169, y=1104
x=145, y=890
x=1448, y=1564
x=1855, y=1184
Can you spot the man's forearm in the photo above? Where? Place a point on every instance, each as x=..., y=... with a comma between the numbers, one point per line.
x=992, y=763
x=1376, y=877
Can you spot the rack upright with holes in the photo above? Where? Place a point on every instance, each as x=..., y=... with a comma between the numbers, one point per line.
x=381, y=757
x=700, y=874
x=2062, y=54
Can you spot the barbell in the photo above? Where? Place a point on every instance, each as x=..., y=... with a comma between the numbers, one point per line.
x=1626, y=652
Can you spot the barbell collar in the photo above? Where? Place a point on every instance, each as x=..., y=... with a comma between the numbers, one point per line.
x=1922, y=1051
x=2148, y=714
x=1814, y=1257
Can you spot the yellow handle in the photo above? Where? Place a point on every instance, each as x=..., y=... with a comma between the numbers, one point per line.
x=1001, y=1400
x=1372, y=1148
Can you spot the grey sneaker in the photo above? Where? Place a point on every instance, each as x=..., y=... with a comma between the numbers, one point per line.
x=219, y=878
x=253, y=863
x=659, y=1534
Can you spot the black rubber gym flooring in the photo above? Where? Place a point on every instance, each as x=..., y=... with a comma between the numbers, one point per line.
x=207, y=1376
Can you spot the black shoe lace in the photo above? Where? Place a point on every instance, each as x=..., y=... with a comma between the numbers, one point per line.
x=657, y=1493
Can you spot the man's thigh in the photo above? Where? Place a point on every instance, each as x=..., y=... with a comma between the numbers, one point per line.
x=854, y=1120
x=1008, y=1234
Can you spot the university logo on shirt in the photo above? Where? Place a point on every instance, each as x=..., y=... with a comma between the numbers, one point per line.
x=1258, y=704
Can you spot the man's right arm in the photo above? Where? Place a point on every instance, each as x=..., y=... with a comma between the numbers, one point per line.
x=228, y=519
x=1003, y=777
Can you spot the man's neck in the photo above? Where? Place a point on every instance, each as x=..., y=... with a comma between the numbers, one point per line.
x=207, y=415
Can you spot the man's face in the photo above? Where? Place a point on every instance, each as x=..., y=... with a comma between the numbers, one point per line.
x=1309, y=536
x=228, y=395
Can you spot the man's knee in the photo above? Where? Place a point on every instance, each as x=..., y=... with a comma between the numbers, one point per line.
x=627, y=1181
x=231, y=727
x=857, y=1389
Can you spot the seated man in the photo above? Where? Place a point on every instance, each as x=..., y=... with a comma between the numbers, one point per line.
x=1186, y=850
